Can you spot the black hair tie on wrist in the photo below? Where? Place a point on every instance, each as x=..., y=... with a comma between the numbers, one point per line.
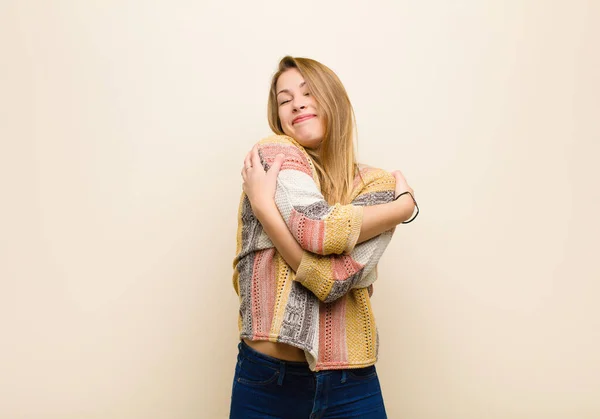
x=416, y=206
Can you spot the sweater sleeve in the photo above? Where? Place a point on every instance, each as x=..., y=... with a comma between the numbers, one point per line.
x=330, y=277
x=318, y=227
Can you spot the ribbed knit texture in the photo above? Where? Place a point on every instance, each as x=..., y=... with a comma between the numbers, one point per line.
x=324, y=308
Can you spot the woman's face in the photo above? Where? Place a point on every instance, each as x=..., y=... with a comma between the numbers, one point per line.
x=298, y=110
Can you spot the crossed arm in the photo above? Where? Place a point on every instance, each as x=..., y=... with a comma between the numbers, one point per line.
x=332, y=248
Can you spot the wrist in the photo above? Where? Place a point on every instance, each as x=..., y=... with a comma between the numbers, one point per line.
x=407, y=207
x=263, y=208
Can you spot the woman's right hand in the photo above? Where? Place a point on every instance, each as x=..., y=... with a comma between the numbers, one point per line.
x=259, y=185
x=406, y=203
x=401, y=184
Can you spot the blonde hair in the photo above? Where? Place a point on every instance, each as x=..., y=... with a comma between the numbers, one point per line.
x=335, y=161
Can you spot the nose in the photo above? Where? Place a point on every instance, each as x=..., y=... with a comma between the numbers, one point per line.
x=299, y=104
x=299, y=108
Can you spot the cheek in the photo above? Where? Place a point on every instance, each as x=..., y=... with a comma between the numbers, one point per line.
x=282, y=119
x=286, y=128
x=323, y=122
x=321, y=127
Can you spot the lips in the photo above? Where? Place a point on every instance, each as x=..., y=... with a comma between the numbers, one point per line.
x=302, y=118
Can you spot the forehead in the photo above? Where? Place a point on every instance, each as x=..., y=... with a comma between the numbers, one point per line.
x=290, y=79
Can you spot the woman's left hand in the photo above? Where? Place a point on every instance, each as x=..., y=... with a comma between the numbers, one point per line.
x=259, y=185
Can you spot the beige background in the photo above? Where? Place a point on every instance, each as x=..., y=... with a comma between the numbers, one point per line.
x=123, y=129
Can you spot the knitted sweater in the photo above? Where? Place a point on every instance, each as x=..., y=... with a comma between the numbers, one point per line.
x=324, y=308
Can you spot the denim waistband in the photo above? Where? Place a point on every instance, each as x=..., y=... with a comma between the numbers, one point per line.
x=297, y=367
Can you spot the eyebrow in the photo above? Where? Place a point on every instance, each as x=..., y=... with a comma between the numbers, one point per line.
x=287, y=91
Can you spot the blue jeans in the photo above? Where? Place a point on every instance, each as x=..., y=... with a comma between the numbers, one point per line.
x=269, y=388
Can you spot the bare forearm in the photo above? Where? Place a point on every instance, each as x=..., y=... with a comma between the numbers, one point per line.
x=384, y=217
x=280, y=235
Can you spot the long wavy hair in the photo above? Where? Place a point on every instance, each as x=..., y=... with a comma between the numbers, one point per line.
x=335, y=160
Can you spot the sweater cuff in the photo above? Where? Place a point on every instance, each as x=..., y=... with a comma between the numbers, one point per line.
x=355, y=226
x=302, y=271
x=313, y=272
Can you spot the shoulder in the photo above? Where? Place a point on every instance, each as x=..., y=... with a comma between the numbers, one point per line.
x=280, y=144
x=372, y=179
x=295, y=157
x=374, y=174
x=282, y=140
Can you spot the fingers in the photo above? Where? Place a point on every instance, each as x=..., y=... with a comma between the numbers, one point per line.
x=401, y=183
x=255, y=157
x=276, y=166
x=247, y=160
x=252, y=160
x=279, y=159
x=247, y=163
x=399, y=176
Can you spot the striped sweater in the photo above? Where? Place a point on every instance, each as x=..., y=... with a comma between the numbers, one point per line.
x=324, y=308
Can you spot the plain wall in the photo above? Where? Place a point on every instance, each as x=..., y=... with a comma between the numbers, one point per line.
x=124, y=125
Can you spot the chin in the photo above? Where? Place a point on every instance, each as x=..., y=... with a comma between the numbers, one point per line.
x=308, y=141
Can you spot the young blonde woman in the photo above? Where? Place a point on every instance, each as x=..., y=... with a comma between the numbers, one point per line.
x=312, y=226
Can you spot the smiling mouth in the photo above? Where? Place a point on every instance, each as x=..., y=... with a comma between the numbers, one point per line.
x=302, y=119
